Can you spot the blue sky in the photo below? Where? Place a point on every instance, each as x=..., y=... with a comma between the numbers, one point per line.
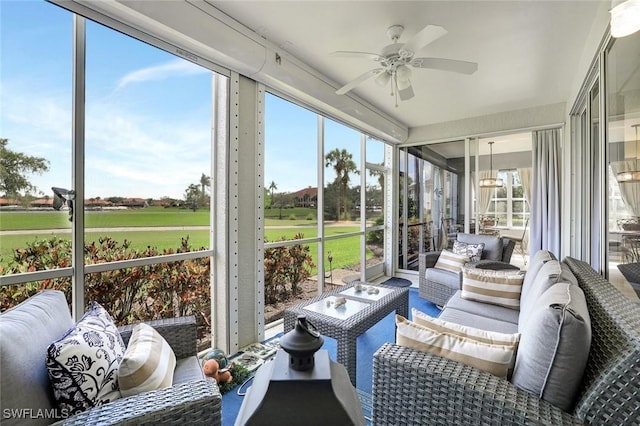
x=148, y=113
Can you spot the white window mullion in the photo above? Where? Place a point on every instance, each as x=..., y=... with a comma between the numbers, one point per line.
x=78, y=114
x=509, y=199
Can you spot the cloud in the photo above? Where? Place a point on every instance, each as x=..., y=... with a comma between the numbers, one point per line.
x=172, y=68
x=128, y=152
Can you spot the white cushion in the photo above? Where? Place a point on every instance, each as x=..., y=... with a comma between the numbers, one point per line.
x=148, y=363
x=451, y=261
x=500, y=288
x=83, y=364
x=436, y=324
x=495, y=359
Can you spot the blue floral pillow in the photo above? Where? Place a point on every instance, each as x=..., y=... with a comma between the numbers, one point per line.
x=83, y=364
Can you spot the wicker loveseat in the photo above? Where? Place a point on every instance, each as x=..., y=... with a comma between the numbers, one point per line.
x=415, y=387
x=25, y=390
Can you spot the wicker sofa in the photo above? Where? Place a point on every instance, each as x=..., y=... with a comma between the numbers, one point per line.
x=414, y=387
x=25, y=390
x=438, y=285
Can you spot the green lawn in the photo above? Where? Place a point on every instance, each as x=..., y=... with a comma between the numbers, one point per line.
x=151, y=216
x=345, y=251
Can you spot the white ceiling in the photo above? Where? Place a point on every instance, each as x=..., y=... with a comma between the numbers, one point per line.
x=527, y=51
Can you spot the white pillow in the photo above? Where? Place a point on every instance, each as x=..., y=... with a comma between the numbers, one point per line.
x=450, y=261
x=494, y=359
x=485, y=336
x=148, y=363
x=83, y=364
x=500, y=288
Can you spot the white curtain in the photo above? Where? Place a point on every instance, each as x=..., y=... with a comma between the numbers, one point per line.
x=484, y=200
x=525, y=179
x=630, y=191
x=545, y=192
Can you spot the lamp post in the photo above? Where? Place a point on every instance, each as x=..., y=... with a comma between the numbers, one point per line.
x=330, y=259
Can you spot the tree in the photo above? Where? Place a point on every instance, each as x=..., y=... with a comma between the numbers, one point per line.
x=14, y=166
x=205, y=182
x=343, y=164
x=272, y=187
x=192, y=196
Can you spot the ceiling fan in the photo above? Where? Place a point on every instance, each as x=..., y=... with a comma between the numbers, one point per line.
x=396, y=59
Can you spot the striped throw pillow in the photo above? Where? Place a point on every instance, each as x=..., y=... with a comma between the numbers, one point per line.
x=494, y=359
x=450, y=261
x=148, y=363
x=501, y=288
x=485, y=336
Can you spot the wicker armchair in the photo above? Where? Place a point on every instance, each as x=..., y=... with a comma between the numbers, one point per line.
x=415, y=388
x=438, y=286
x=27, y=330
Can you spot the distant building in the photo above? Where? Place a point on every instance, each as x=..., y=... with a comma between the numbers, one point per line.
x=134, y=202
x=9, y=202
x=307, y=197
x=42, y=202
x=94, y=203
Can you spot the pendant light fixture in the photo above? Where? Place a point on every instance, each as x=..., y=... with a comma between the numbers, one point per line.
x=491, y=182
x=631, y=175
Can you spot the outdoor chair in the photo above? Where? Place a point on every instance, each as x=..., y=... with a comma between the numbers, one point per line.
x=488, y=226
x=631, y=272
x=449, y=231
x=520, y=241
x=27, y=330
x=438, y=285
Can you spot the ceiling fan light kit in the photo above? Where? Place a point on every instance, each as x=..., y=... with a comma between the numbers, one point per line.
x=625, y=17
x=383, y=79
x=491, y=182
x=396, y=59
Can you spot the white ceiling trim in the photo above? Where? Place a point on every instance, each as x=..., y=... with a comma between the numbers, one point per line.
x=499, y=123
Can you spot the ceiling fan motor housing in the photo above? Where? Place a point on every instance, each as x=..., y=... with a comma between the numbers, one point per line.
x=394, y=32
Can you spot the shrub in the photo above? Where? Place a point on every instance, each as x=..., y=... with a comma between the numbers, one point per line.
x=130, y=294
x=292, y=217
x=289, y=265
x=376, y=237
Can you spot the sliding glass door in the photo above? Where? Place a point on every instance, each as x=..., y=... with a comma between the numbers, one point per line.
x=622, y=70
x=440, y=195
x=431, y=194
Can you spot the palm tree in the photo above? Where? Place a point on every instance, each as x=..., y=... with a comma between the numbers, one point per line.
x=342, y=162
x=205, y=181
x=272, y=187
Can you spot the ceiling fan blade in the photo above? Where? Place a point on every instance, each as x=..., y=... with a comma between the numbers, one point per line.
x=462, y=67
x=406, y=94
x=358, y=80
x=351, y=54
x=427, y=35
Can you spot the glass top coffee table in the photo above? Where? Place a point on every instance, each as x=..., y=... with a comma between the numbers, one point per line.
x=346, y=322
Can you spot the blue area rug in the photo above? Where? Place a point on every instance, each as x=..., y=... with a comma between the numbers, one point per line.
x=369, y=342
x=397, y=282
